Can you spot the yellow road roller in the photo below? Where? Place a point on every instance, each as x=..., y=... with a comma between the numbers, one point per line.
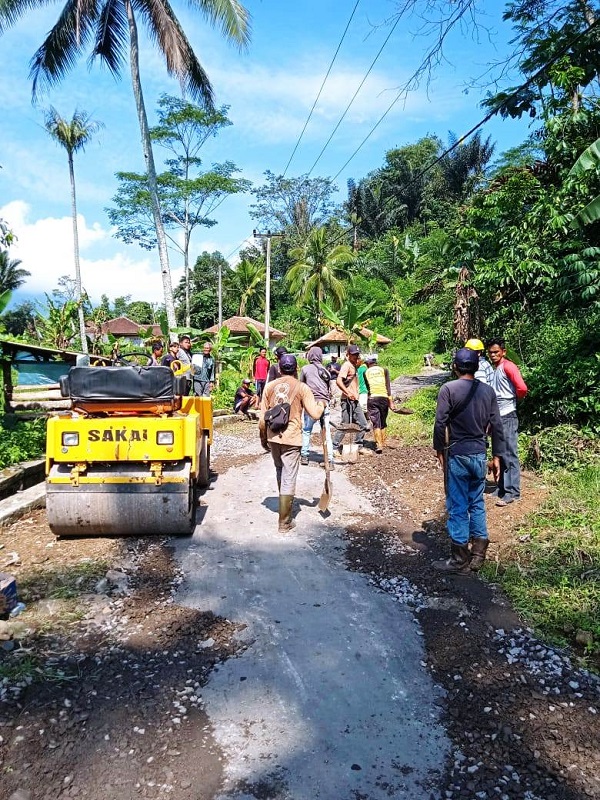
x=129, y=455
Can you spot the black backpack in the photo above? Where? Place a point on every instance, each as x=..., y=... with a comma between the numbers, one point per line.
x=278, y=417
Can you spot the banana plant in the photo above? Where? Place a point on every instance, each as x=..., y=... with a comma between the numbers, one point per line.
x=589, y=159
x=349, y=320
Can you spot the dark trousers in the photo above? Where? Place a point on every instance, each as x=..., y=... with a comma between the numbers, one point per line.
x=352, y=412
x=377, y=409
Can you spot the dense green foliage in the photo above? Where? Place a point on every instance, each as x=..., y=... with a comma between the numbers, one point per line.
x=21, y=441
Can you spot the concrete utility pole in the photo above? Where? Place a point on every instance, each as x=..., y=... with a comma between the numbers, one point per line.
x=220, y=295
x=268, y=236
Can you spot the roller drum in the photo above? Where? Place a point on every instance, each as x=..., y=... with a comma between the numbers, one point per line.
x=121, y=509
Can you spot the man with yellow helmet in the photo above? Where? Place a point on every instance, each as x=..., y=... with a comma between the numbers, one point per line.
x=485, y=371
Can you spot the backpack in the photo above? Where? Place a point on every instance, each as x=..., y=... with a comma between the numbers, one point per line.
x=278, y=417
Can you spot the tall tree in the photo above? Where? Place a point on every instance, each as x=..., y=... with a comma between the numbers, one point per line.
x=111, y=25
x=73, y=135
x=293, y=205
x=319, y=271
x=203, y=291
x=247, y=282
x=188, y=195
x=11, y=275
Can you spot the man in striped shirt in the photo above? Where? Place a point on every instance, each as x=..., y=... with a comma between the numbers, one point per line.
x=509, y=387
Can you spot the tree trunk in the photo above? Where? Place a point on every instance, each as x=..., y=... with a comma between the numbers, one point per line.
x=186, y=275
x=150, y=168
x=84, y=347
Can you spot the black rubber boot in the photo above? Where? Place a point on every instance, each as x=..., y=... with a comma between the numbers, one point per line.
x=286, y=522
x=458, y=561
x=478, y=550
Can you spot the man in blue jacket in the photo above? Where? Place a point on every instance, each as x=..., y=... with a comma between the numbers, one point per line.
x=466, y=410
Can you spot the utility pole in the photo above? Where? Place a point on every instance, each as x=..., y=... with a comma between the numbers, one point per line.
x=220, y=294
x=268, y=236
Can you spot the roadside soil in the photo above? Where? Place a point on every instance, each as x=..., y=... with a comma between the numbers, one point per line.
x=102, y=694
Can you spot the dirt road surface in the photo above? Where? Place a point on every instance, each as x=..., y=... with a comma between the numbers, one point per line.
x=331, y=663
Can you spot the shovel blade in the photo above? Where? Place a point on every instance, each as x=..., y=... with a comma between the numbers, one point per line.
x=325, y=498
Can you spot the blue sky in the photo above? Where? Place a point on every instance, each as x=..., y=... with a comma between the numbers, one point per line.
x=270, y=90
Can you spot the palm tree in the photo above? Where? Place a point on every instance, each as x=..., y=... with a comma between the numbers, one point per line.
x=73, y=136
x=110, y=26
x=247, y=280
x=11, y=277
x=319, y=272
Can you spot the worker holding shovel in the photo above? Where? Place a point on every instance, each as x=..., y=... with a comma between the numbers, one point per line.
x=283, y=402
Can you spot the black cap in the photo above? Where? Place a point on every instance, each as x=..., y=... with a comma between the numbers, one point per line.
x=279, y=351
x=466, y=359
x=288, y=364
x=353, y=350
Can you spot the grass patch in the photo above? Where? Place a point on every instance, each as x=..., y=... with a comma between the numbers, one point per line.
x=418, y=427
x=62, y=582
x=18, y=668
x=410, y=342
x=552, y=575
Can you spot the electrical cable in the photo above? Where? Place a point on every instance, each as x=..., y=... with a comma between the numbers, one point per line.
x=488, y=116
x=321, y=89
x=355, y=94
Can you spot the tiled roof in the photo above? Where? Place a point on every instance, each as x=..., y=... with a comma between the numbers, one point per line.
x=240, y=325
x=339, y=337
x=123, y=326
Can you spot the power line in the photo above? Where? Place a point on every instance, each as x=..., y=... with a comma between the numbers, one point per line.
x=487, y=117
x=355, y=94
x=321, y=89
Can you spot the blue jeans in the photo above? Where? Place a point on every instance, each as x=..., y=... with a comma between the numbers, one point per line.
x=509, y=485
x=464, y=500
x=307, y=427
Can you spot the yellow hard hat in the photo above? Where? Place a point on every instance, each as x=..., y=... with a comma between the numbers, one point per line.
x=475, y=344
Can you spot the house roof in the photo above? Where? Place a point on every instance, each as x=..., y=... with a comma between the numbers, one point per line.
x=10, y=348
x=123, y=326
x=240, y=325
x=339, y=337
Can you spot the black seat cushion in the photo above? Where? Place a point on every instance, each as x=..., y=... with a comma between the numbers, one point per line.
x=120, y=383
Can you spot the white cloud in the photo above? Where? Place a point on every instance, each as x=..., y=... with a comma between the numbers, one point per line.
x=45, y=247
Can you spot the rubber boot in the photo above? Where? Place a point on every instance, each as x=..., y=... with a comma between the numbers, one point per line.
x=458, y=561
x=383, y=437
x=378, y=440
x=478, y=550
x=286, y=522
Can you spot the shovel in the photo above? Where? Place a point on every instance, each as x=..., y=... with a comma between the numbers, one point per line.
x=327, y=490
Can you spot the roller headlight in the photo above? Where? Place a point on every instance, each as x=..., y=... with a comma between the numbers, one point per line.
x=70, y=439
x=165, y=437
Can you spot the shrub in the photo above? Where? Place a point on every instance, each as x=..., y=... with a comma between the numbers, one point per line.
x=21, y=440
x=562, y=372
x=561, y=446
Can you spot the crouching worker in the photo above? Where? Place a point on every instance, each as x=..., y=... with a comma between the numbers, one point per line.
x=283, y=403
x=465, y=409
x=245, y=399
